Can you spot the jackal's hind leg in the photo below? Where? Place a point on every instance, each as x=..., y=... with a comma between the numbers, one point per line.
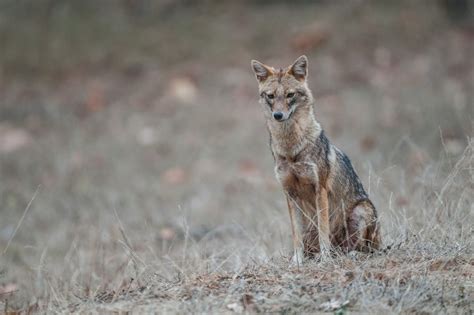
x=372, y=238
x=362, y=232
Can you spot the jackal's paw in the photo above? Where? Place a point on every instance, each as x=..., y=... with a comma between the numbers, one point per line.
x=297, y=259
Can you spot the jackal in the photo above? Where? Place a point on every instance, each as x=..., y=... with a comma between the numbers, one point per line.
x=328, y=205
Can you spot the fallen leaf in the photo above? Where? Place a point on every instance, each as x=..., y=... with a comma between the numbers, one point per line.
x=402, y=201
x=8, y=288
x=248, y=167
x=333, y=305
x=95, y=100
x=12, y=139
x=311, y=38
x=367, y=143
x=175, y=175
x=183, y=89
x=167, y=233
x=235, y=307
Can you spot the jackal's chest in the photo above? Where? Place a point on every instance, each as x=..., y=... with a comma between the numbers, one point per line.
x=297, y=178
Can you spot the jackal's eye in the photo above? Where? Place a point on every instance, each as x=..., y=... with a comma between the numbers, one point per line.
x=271, y=96
x=290, y=95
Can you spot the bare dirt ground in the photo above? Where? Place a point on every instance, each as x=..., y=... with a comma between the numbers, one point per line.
x=136, y=176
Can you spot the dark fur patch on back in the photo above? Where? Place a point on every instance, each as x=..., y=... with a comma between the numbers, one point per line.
x=350, y=177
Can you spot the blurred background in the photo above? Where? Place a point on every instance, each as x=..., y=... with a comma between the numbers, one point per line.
x=142, y=116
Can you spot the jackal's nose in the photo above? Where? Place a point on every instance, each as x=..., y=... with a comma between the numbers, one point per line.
x=278, y=115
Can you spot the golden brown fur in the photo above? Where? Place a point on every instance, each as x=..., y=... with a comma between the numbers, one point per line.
x=327, y=203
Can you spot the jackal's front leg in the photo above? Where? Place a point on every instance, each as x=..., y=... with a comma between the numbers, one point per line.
x=296, y=233
x=322, y=206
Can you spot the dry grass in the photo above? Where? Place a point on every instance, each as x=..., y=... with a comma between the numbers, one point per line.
x=156, y=185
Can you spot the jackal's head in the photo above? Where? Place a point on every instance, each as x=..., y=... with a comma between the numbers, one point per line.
x=283, y=91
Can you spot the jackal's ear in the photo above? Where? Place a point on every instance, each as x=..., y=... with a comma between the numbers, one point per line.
x=299, y=68
x=262, y=72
